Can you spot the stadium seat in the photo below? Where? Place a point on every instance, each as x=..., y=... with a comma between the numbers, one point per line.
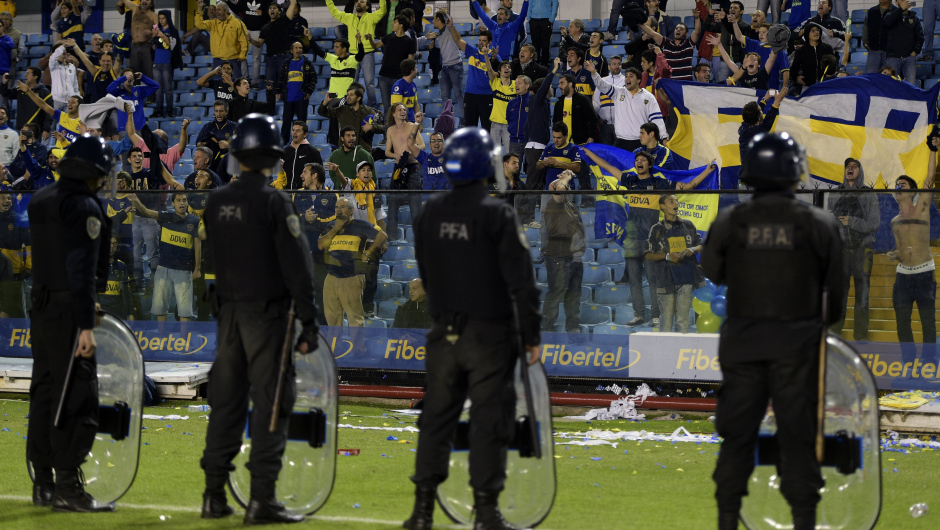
x=586, y=294
x=590, y=24
x=595, y=274
x=623, y=314
x=423, y=81
x=405, y=271
x=399, y=253
x=532, y=235
x=612, y=294
x=183, y=170
x=201, y=60
x=404, y=215
x=385, y=272
x=610, y=256
x=387, y=290
x=464, y=28
x=387, y=308
x=558, y=24
x=192, y=98
x=376, y=323
x=858, y=15
x=195, y=113
x=595, y=314
x=613, y=329
x=433, y=110
x=384, y=167
x=924, y=70
x=541, y=276
x=588, y=256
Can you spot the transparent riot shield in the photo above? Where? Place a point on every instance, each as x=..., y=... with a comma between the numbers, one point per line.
x=851, y=497
x=530, y=482
x=111, y=465
x=309, y=462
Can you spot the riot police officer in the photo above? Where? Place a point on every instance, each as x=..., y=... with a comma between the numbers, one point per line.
x=778, y=256
x=262, y=264
x=475, y=264
x=71, y=233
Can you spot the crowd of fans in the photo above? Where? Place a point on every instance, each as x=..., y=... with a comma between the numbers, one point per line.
x=387, y=90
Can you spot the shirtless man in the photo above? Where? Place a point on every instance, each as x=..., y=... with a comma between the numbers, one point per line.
x=143, y=21
x=915, y=281
x=403, y=144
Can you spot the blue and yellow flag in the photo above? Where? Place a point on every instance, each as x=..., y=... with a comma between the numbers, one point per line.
x=611, y=210
x=878, y=120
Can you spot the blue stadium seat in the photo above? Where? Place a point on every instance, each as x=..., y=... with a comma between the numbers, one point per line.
x=423, y=81
x=318, y=32
x=588, y=256
x=318, y=139
x=405, y=272
x=387, y=308
x=612, y=294
x=610, y=256
x=387, y=290
x=183, y=170
x=384, y=167
x=410, y=235
x=464, y=28
x=591, y=24
x=558, y=24
x=201, y=60
x=615, y=49
x=586, y=294
x=541, y=276
x=595, y=314
x=376, y=323
x=385, y=272
x=613, y=329
x=195, y=113
x=924, y=70
x=400, y=253
x=325, y=151
x=858, y=15
x=623, y=314
x=186, y=85
x=192, y=98
x=433, y=110
x=532, y=234
x=859, y=57
x=594, y=274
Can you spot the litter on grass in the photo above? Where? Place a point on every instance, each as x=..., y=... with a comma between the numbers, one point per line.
x=170, y=417
x=364, y=428
x=623, y=408
x=598, y=437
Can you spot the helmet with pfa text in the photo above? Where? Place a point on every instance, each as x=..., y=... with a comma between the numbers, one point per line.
x=774, y=161
x=469, y=154
x=86, y=158
x=256, y=143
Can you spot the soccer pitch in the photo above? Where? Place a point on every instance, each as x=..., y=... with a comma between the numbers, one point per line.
x=656, y=485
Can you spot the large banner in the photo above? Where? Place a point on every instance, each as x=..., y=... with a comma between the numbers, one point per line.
x=878, y=120
x=652, y=355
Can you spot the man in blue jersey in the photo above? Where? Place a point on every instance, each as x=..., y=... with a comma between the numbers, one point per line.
x=559, y=156
x=404, y=90
x=433, y=164
x=780, y=73
x=180, y=257
x=128, y=87
x=295, y=83
x=478, y=96
x=652, y=144
x=504, y=31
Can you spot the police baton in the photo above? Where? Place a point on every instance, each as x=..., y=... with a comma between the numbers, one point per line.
x=67, y=386
x=526, y=384
x=286, y=352
x=821, y=390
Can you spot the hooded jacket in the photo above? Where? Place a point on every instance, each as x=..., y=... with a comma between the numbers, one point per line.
x=904, y=33
x=517, y=113
x=176, y=54
x=862, y=209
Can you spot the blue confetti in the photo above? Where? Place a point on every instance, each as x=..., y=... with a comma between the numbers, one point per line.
x=5, y=430
x=383, y=456
x=356, y=505
x=168, y=426
x=143, y=427
x=894, y=470
x=596, y=458
x=392, y=438
x=596, y=485
x=613, y=468
x=414, y=450
x=145, y=443
x=625, y=452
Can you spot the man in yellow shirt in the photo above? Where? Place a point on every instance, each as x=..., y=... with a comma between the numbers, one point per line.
x=228, y=37
x=504, y=91
x=363, y=23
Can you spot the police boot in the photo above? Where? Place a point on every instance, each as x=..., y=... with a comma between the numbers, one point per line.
x=70, y=495
x=486, y=506
x=43, y=487
x=268, y=511
x=727, y=520
x=215, y=506
x=423, y=513
x=804, y=519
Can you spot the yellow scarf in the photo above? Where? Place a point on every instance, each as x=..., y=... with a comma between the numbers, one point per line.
x=364, y=200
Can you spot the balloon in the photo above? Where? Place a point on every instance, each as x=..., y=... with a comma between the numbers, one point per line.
x=707, y=292
x=720, y=306
x=708, y=323
x=700, y=306
x=723, y=291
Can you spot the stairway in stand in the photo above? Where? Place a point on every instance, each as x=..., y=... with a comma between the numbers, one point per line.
x=883, y=326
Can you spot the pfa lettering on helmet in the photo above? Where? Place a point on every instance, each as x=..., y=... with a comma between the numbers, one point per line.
x=93, y=227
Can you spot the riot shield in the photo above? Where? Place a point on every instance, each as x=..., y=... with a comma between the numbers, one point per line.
x=851, y=468
x=111, y=465
x=309, y=462
x=530, y=482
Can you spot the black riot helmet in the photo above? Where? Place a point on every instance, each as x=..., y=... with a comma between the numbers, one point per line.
x=87, y=157
x=774, y=161
x=256, y=143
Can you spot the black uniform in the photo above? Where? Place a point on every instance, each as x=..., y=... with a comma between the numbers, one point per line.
x=14, y=245
x=71, y=233
x=474, y=260
x=249, y=218
x=776, y=255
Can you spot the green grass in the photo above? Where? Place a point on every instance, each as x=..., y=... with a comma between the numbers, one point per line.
x=632, y=490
